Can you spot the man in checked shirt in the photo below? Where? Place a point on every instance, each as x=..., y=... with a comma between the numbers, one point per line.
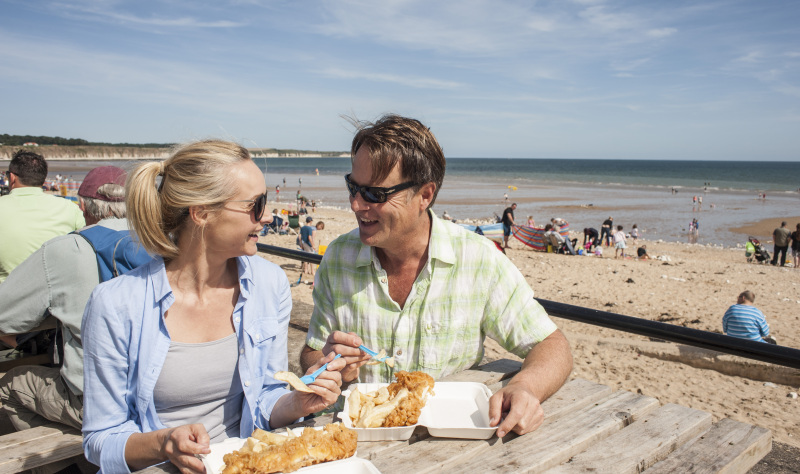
x=426, y=290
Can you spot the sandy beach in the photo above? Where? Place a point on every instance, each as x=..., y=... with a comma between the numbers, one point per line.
x=693, y=287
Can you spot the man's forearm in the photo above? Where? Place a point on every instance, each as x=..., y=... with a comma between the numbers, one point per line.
x=547, y=366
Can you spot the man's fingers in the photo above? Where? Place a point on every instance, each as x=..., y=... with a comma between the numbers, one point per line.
x=495, y=408
x=347, y=339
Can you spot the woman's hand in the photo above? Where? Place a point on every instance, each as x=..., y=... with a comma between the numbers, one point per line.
x=327, y=386
x=326, y=389
x=181, y=444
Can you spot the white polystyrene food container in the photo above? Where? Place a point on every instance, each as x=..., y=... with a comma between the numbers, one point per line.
x=456, y=410
x=355, y=465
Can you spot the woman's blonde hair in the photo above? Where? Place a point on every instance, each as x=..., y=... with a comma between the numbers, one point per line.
x=197, y=174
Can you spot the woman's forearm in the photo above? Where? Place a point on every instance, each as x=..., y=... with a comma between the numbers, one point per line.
x=285, y=411
x=145, y=449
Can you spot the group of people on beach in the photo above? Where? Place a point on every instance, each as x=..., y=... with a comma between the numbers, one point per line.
x=204, y=303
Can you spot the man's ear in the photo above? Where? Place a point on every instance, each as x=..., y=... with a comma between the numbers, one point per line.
x=426, y=192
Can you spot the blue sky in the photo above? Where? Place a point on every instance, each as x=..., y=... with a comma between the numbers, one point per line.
x=715, y=80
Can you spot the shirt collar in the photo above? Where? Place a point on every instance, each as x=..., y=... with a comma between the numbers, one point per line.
x=27, y=191
x=162, y=289
x=440, y=245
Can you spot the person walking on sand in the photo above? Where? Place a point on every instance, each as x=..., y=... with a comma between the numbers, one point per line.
x=508, y=221
x=619, y=242
x=796, y=248
x=745, y=321
x=781, y=237
x=635, y=234
x=306, y=238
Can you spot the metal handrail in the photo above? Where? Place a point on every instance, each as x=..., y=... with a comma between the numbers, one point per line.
x=771, y=353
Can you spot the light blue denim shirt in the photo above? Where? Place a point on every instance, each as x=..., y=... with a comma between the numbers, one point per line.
x=125, y=343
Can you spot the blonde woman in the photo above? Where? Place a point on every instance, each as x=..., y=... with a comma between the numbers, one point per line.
x=181, y=352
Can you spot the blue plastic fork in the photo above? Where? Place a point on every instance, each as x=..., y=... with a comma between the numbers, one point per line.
x=389, y=360
x=309, y=379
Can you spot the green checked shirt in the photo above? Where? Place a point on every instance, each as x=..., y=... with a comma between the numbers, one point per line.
x=468, y=290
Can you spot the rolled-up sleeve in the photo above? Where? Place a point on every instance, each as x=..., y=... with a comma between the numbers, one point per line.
x=107, y=423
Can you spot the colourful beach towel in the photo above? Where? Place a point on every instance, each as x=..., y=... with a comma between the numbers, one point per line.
x=534, y=237
x=490, y=231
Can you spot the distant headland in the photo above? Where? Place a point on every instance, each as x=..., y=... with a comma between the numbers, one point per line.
x=75, y=149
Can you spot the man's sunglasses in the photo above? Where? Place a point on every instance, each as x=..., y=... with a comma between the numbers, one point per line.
x=259, y=204
x=375, y=194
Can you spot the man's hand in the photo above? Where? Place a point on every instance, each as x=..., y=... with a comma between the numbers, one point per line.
x=347, y=344
x=342, y=343
x=517, y=407
x=181, y=444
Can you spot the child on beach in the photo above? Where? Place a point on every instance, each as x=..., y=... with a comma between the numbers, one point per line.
x=619, y=242
x=635, y=234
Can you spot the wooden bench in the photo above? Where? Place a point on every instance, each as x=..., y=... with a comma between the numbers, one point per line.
x=35, y=447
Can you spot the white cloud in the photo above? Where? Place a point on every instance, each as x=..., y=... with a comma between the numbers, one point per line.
x=662, y=32
x=409, y=81
x=103, y=12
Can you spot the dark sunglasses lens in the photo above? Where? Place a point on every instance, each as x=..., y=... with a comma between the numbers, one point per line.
x=374, y=196
x=259, y=205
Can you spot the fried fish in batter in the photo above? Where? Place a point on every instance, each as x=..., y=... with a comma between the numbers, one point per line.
x=290, y=454
x=399, y=404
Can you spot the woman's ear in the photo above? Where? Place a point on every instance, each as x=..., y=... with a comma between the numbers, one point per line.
x=200, y=215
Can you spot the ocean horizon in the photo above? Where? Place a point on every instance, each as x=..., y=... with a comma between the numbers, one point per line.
x=582, y=191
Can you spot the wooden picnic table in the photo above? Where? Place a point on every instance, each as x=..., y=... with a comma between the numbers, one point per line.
x=587, y=427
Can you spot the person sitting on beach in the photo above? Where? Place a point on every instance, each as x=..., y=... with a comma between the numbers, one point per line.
x=641, y=253
x=619, y=242
x=449, y=287
x=30, y=217
x=745, y=321
x=559, y=243
x=531, y=222
x=181, y=352
x=558, y=223
x=57, y=280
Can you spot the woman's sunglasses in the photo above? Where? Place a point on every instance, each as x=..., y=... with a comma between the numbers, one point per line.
x=374, y=194
x=259, y=204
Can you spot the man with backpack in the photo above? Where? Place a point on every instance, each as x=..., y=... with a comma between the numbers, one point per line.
x=57, y=280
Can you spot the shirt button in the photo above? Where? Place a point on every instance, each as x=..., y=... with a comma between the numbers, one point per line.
x=399, y=352
x=428, y=327
x=383, y=280
x=241, y=350
x=236, y=319
x=247, y=383
x=258, y=336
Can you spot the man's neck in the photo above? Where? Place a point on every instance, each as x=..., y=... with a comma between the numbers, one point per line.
x=413, y=253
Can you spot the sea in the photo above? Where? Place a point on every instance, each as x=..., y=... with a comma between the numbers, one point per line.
x=661, y=197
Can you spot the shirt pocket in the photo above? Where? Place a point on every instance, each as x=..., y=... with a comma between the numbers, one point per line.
x=261, y=338
x=451, y=344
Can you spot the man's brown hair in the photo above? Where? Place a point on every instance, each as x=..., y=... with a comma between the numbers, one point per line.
x=394, y=139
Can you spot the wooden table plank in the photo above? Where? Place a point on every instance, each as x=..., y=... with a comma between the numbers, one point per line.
x=641, y=444
x=729, y=447
x=38, y=446
x=555, y=443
